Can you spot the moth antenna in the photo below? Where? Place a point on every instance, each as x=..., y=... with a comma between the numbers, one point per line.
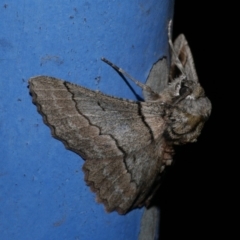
x=178, y=62
x=141, y=85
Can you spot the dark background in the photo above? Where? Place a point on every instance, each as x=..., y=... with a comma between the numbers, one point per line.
x=195, y=195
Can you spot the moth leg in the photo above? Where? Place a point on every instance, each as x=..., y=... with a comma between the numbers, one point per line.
x=174, y=54
x=141, y=85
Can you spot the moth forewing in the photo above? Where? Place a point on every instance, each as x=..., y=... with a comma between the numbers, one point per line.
x=185, y=57
x=157, y=80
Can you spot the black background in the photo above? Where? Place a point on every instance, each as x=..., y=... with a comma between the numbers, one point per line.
x=195, y=196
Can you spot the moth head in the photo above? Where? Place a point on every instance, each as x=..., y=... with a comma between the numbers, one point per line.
x=189, y=110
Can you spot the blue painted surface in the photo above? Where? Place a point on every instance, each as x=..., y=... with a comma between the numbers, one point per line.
x=42, y=192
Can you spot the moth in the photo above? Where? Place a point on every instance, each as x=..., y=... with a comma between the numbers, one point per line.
x=127, y=144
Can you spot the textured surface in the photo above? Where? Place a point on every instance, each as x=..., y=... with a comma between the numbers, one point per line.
x=42, y=192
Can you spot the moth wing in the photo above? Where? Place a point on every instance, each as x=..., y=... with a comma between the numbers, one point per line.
x=184, y=54
x=114, y=136
x=157, y=79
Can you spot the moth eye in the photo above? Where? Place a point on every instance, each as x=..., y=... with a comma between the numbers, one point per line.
x=183, y=90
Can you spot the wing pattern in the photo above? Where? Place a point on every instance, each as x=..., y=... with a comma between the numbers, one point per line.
x=106, y=132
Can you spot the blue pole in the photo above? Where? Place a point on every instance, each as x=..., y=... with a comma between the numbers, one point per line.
x=42, y=191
